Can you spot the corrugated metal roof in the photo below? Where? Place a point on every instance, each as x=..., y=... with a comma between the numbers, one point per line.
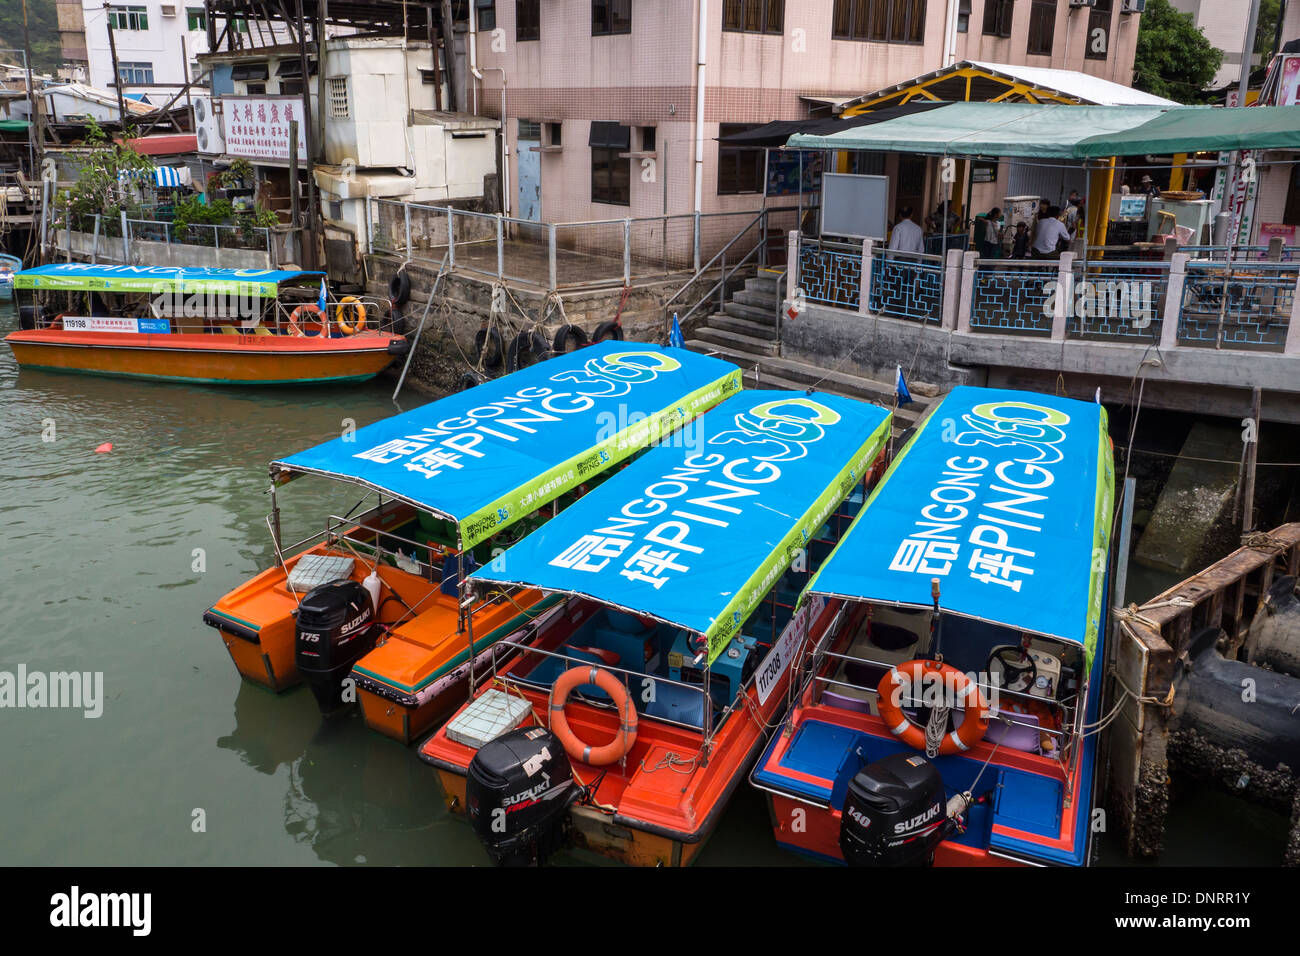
x=1084, y=86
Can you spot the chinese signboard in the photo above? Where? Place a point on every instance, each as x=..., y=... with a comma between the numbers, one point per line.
x=257, y=127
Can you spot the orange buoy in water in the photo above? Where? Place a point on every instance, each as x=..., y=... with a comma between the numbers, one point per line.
x=106, y=447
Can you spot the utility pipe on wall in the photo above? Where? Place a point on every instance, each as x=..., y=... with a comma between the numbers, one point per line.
x=505, y=142
x=950, y=33
x=701, y=48
x=473, y=57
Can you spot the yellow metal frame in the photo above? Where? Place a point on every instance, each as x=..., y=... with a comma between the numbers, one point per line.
x=1016, y=91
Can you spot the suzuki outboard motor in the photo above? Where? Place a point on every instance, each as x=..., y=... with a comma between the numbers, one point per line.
x=334, y=629
x=518, y=793
x=894, y=813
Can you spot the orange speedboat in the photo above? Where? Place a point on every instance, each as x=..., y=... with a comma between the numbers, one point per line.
x=374, y=609
x=626, y=720
x=195, y=325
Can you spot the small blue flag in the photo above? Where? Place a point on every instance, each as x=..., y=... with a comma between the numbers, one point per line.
x=900, y=388
x=675, y=338
x=323, y=298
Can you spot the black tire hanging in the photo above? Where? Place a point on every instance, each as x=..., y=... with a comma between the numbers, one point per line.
x=608, y=330
x=399, y=288
x=528, y=348
x=562, y=337
x=489, y=340
x=469, y=379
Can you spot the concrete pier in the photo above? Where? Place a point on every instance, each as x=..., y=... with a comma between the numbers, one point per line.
x=1145, y=741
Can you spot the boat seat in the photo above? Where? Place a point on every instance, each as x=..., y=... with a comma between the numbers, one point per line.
x=674, y=702
x=451, y=572
x=1022, y=735
x=261, y=330
x=228, y=330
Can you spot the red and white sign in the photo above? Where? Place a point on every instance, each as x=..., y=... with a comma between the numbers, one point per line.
x=257, y=127
x=1288, y=91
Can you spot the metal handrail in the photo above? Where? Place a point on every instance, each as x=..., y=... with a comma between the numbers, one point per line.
x=1061, y=705
x=708, y=265
x=703, y=691
x=762, y=215
x=782, y=278
x=722, y=281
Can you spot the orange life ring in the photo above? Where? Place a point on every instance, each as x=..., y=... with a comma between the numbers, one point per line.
x=617, y=748
x=316, y=310
x=350, y=303
x=974, y=724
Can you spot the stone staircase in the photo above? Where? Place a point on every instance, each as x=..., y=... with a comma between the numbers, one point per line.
x=745, y=333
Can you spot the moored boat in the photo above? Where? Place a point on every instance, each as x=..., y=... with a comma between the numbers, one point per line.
x=195, y=325
x=626, y=721
x=457, y=480
x=9, y=266
x=950, y=715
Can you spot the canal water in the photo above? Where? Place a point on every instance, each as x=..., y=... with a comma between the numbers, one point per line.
x=109, y=562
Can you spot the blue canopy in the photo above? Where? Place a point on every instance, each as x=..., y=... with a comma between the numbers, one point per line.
x=90, y=277
x=695, y=534
x=1005, y=497
x=486, y=457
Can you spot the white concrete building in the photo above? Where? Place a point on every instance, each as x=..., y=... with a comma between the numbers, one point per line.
x=384, y=136
x=158, y=44
x=1224, y=24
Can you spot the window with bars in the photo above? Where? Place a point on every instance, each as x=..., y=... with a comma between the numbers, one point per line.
x=610, y=17
x=1097, y=43
x=1042, y=27
x=753, y=16
x=487, y=14
x=338, y=92
x=528, y=20
x=740, y=170
x=880, y=21
x=196, y=18
x=611, y=176
x=997, y=17
x=128, y=18
x=135, y=73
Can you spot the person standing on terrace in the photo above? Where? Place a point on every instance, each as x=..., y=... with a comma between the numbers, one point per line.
x=906, y=236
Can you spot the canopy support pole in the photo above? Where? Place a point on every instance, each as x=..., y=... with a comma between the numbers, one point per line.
x=1101, y=183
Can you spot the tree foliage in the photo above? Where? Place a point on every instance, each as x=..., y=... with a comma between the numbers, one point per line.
x=42, y=24
x=1173, y=58
x=107, y=183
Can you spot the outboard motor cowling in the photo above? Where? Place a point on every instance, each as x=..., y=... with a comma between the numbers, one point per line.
x=335, y=627
x=518, y=793
x=894, y=813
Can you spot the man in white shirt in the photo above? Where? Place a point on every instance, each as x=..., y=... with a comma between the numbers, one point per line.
x=1050, y=231
x=907, y=236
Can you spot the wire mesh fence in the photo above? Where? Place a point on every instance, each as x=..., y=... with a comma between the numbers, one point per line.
x=571, y=254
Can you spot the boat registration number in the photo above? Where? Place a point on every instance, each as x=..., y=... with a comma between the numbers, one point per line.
x=779, y=657
x=113, y=323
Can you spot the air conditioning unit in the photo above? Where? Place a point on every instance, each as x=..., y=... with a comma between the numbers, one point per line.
x=1133, y=6
x=1083, y=3
x=207, y=127
x=169, y=10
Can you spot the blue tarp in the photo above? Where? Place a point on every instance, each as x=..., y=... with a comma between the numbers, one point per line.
x=488, y=456
x=695, y=533
x=85, y=276
x=1005, y=497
